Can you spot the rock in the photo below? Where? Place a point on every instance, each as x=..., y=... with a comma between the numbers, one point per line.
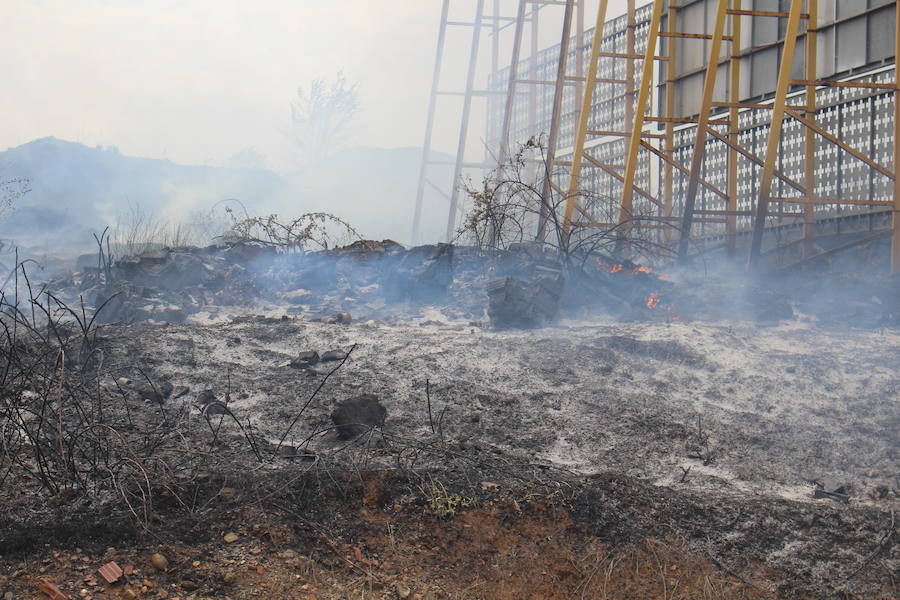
x=159, y=562
x=333, y=355
x=516, y=303
x=357, y=415
x=305, y=360
x=287, y=554
x=158, y=392
x=832, y=489
x=205, y=397
x=230, y=537
x=213, y=409
x=402, y=590
x=344, y=318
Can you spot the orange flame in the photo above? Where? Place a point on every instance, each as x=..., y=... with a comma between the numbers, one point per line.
x=620, y=268
x=653, y=300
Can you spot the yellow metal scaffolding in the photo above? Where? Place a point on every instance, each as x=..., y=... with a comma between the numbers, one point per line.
x=726, y=29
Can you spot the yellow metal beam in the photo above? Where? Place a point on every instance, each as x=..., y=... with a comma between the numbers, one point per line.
x=669, y=113
x=734, y=98
x=709, y=86
x=547, y=206
x=809, y=142
x=784, y=78
x=634, y=143
x=586, y=101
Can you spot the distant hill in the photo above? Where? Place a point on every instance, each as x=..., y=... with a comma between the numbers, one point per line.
x=78, y=190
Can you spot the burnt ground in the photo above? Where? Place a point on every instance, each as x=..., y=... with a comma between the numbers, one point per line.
x=584, y=460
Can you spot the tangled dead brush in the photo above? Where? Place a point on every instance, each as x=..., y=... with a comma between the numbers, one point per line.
x=69, y=430
x=317, y=229
x=509, y=206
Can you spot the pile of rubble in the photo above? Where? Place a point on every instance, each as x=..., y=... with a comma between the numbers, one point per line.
x=524, y=286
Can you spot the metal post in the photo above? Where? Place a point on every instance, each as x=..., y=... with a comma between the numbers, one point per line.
x=464, y=127
x=765, y=182
x=809, y=142
x=669, y=113
x=579, y=48
x=587, y=101
x=634, y=140
x=429, y=124
x=546, y=205
x=629, y=66
x=709, y=86
x=734, y=96
x=895, y=240
x=511, y=86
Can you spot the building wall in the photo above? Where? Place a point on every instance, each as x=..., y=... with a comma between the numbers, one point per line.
x=855, y=42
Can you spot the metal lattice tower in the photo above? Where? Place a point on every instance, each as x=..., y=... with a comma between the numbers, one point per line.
x=495, y=22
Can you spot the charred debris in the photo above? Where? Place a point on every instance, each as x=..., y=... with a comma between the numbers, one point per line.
x=525, y=285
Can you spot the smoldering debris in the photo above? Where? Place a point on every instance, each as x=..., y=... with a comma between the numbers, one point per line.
x=527, y=285
x=363, y=281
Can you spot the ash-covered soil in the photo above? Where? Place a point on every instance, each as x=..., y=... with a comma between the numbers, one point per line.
x=751, y=411
x=705, y=435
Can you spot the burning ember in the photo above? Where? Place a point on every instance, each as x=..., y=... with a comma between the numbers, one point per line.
x=653, y=300
x=619, y=268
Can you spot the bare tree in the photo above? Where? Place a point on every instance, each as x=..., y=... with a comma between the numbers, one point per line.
x=321, y=116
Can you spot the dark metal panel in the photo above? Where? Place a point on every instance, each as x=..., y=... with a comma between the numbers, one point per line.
x=763, y=71
x=765, y=29
x=851, y=44
x=881, y=34
x=849, y=8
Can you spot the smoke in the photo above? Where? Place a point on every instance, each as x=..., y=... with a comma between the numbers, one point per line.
x=77, y=191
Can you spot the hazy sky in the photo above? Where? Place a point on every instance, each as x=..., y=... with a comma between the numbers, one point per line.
x=197, y=81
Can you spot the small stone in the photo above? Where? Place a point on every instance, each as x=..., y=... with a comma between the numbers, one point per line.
x=130, y=594
x=344, y=318
x=356, y=416
x=160, y=562
x=287, y=554
x=230, y=537
x=228, y=577
x=305, y=360
x=402, y=590
x=227, y=493
x=333, y=355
